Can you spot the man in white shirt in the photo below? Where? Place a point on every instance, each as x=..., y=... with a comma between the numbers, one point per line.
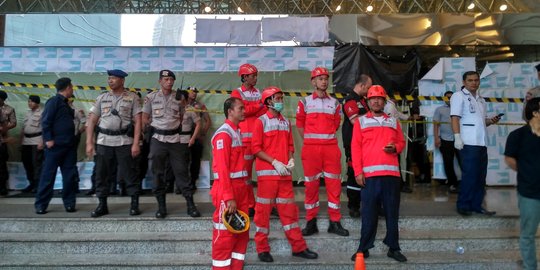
x=469, y=122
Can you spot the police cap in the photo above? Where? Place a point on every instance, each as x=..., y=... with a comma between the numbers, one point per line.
x=117, y=73
x=166, y=73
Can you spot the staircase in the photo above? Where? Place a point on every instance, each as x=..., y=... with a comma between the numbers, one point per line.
x=179, y=242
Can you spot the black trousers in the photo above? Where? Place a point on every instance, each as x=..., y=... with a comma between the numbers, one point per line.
x=4, y=173
x=353, y=189
x=177, y=155
x=196, y=151
x=32, y=160
x=109, y=157
x=448, y=152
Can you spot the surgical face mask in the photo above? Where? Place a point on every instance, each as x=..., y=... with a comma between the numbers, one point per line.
x=278, y=106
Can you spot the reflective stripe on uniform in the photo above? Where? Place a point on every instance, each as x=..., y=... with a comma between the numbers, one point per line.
x=311, y=206
x=238, y=256
x=267, y=173
x=284, y=200
x=239, y=174
x=354, y=188
x=223, y=263
x=312, y=178
x=319, y=136
x=261, y=230
x=321, y=110
x=331, y=175
x=290, y=226
x=376, y=168
x=333, y=205
x=248, y=157
x=220, y=226
x=264, y=200
x=247, y=134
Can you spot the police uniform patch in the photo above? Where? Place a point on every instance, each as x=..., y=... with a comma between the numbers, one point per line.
x=219, y=144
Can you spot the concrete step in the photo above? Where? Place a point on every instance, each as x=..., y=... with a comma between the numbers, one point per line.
x=496, y=259
x=188, y=224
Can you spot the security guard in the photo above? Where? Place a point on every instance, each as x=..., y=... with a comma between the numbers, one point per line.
x=8, y=120
x=165, y=108
x=118, y=134
x=354, y=106
x=32, y=143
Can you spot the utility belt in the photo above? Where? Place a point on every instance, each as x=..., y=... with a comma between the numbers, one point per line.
x=32, y=135
x=111, y=132
x=168, y=132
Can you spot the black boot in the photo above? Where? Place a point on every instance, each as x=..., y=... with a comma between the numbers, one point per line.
x=335, y=227
x=101, y=209
x=134, y=210
x=311, y=228
x=191, y=208
x=162, y=207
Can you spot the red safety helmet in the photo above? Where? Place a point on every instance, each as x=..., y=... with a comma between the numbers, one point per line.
x=376, y=91
x=269, y=92
x=247, y=69
x=318, y=71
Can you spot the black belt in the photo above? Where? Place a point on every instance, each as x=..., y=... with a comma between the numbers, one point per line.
x=166, y=132
x=32, y=135
x=112, y=132
x=185, y=133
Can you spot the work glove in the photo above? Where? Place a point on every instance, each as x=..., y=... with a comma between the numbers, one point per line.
x=280, y=167
x=458, y=142
x=290, y=165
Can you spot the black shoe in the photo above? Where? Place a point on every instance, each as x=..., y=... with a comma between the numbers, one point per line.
x=28, y=189
x=265, y=257
x=366, y=255
x=251, y=212
x=464, y=212
x=311, y=228
x=41, y=211
x=306, y=254
x=193, y=212
x=91, y=192
x=71, y=209
x=486, y=212
x=396, y=255
x=134, y=207
x=335, y=227
x=453, y=189
x=354, y=213
x=406, y=189
x=102, y=208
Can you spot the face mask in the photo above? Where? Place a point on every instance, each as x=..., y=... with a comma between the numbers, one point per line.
x=278, y=106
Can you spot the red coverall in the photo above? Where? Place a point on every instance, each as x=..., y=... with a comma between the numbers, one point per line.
x=273, y=135
x=254, y=108
x=230, y=182
x=320, y=118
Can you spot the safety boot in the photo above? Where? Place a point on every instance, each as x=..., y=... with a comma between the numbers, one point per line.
x=191, y=208
x=335, y=227
x=101, y=209
x=134, y=210
x=311, y=228
x=162, y=207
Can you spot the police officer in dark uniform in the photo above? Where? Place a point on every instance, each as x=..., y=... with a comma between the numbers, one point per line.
x=354, y=105
x=59, y=136
x=8, y=120
x=118, y=135
x=165, y=108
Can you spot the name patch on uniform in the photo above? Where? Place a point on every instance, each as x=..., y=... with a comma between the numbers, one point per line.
x=219, y=144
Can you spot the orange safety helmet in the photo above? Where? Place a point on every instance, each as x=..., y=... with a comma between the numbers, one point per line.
x=237, y=222
x=269, y=92
x=246, y=69
x=318, y=71
x=376, y=91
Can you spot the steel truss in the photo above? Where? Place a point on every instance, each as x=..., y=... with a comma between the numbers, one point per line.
x=293, y=7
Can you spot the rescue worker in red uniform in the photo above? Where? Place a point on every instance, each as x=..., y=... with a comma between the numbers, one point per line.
x=273, y=147
x=254, y=108
x=376, y=144
x=229, y=189
x=317, y=120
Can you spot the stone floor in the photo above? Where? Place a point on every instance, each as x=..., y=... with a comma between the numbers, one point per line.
x=426, y=200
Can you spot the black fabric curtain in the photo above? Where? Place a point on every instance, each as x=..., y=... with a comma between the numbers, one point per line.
x=396, y=69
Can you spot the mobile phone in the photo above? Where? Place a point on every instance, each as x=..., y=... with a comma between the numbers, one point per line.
x=500, y=115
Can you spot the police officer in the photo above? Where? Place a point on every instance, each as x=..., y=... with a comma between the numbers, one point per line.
x=32, y=143
x=165, y=108
x=119, y=129
x=59, y=137
x=197, y=148
x=191, y=127
x=354, y=106
x=8, y=120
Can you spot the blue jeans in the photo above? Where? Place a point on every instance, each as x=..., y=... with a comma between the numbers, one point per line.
x=474, y=161
x=528, y=224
